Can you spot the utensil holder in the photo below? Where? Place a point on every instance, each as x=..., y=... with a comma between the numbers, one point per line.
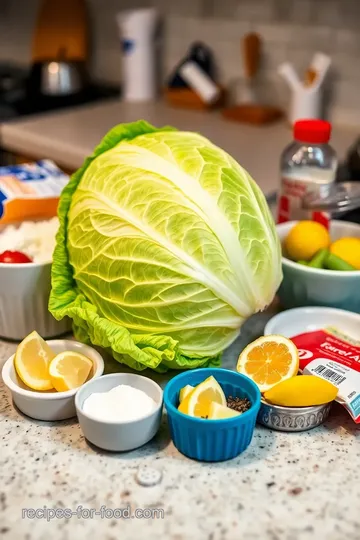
x=305, y=103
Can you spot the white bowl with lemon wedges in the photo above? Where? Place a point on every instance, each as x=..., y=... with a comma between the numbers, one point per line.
x=320, y=268
x=44, y=376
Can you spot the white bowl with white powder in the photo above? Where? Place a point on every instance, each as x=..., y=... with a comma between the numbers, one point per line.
x=119, y=412
x=25, y=288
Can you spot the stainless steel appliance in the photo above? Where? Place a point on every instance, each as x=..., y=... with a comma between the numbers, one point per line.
x=57, y=78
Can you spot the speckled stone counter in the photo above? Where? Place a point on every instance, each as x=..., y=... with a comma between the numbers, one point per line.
x=284, y=487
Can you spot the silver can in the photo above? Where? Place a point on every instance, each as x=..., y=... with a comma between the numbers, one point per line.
x=292, y=418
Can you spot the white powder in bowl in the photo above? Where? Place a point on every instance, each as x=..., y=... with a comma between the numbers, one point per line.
x=34, y=238
x=120, y=404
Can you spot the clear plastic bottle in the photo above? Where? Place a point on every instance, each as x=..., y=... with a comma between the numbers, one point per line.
x=308, y=164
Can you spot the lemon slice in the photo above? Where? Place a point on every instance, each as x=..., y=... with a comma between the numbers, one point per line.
x=69, y=370
x=198, y=402
x=269, y=360
x=32, y=359
x=219, y=412
x=185, y=392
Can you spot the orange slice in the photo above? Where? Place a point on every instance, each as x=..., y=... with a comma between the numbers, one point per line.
x=269, y=360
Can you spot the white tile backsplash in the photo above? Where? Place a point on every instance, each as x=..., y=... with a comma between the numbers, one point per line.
x=348, y=94
x=185, y=7
x=255, y=10
x=347, y=68
x=347, y=42
x=17, y=21
x=276, y=33
x=327, y=13
x=301, y=10
x=291, y=30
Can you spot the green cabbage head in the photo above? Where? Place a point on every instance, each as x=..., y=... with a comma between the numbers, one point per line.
x=166, y=246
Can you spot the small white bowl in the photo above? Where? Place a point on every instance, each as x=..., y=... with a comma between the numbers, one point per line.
x=24, y=299
x=50, y=405
x=307, y=319
x=120, y=436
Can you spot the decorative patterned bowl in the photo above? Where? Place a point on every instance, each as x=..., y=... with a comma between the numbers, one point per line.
x=292, y=418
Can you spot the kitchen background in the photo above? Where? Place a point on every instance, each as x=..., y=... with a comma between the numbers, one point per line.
x=291, y=30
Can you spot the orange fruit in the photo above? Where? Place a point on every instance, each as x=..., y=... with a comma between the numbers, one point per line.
x=269, y=360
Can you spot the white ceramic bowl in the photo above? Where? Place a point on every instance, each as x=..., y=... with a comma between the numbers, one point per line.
x=51, y=405
x=300, y=320
x=120, y=436
x=24, y=298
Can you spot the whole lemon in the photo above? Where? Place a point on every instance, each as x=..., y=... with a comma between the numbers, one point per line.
x=347, y=249
x=301, y=391
x=305, y=239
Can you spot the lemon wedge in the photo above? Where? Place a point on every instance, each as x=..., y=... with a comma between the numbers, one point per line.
x=69, y=370
x=219, y=412
x=32, y=359
x=198, y=401
x=185, y=392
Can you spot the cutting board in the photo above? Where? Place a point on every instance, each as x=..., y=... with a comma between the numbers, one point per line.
x=61, y=31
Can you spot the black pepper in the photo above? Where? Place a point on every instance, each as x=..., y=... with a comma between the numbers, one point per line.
x=238, y=404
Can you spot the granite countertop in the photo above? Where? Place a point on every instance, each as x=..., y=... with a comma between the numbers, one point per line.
x=303, y=486
x=69, y=136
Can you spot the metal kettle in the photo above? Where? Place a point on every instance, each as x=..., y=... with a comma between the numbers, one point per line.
x=58, y=77
x=60, y=49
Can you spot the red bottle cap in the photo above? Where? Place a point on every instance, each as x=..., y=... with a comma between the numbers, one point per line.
x=312, y=131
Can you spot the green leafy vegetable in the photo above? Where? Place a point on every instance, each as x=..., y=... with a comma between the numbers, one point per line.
x=166, y=246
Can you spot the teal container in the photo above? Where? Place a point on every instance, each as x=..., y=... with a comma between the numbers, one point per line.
x=306, y=286
x=212, y=440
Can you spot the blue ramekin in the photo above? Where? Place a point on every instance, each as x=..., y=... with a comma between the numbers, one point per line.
x=212, y=440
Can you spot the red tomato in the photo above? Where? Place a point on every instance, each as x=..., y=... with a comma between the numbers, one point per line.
x=14, y=257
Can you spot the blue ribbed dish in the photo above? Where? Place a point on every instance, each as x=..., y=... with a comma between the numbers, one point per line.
x=212, y=440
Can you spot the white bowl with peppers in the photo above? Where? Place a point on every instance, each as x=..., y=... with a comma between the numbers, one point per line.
x=25, y=280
